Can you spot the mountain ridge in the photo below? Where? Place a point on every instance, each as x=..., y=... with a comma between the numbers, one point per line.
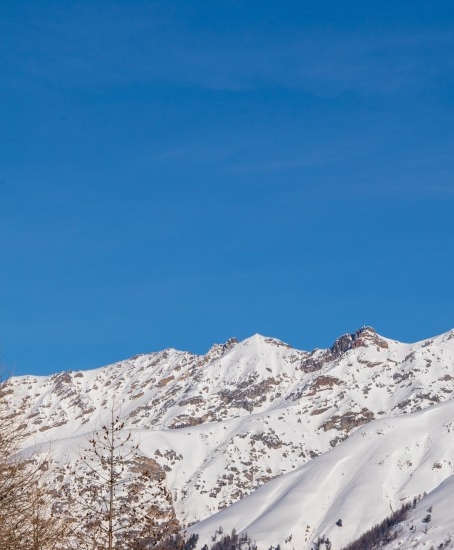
x=223, y=424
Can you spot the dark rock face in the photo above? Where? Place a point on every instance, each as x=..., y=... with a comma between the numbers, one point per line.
x=342, y=344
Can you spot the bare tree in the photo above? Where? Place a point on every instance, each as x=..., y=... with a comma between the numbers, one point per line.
x=27, y=519
x=120, y=492
x=15, y=477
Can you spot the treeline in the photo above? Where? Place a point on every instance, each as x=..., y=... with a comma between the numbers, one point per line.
x=383, y=532
x=232, y=541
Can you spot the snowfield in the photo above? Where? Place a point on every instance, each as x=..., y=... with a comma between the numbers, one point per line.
x=382, y=465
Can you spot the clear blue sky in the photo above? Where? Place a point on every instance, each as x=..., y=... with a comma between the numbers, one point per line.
x=175, y=173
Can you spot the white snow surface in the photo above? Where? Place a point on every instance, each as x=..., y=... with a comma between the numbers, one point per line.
x=383, y=465
x=278, y=442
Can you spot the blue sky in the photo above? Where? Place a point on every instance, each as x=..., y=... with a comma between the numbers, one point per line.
x=176, y=173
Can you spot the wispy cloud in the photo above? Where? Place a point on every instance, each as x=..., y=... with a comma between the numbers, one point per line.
x=323, y=62
x=129, y=46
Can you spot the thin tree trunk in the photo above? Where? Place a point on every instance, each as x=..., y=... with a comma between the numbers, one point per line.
x=111, y=485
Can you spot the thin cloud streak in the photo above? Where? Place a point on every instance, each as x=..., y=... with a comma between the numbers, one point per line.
x=323, y=62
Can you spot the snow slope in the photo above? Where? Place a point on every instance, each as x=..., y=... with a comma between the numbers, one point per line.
x=382, y=465
x=258, y=413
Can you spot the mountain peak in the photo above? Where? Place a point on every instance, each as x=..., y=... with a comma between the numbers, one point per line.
x=363, y=337
x=217, y=350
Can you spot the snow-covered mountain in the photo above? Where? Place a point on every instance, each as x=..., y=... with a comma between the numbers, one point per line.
x=276, y=441
x=382, y=465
